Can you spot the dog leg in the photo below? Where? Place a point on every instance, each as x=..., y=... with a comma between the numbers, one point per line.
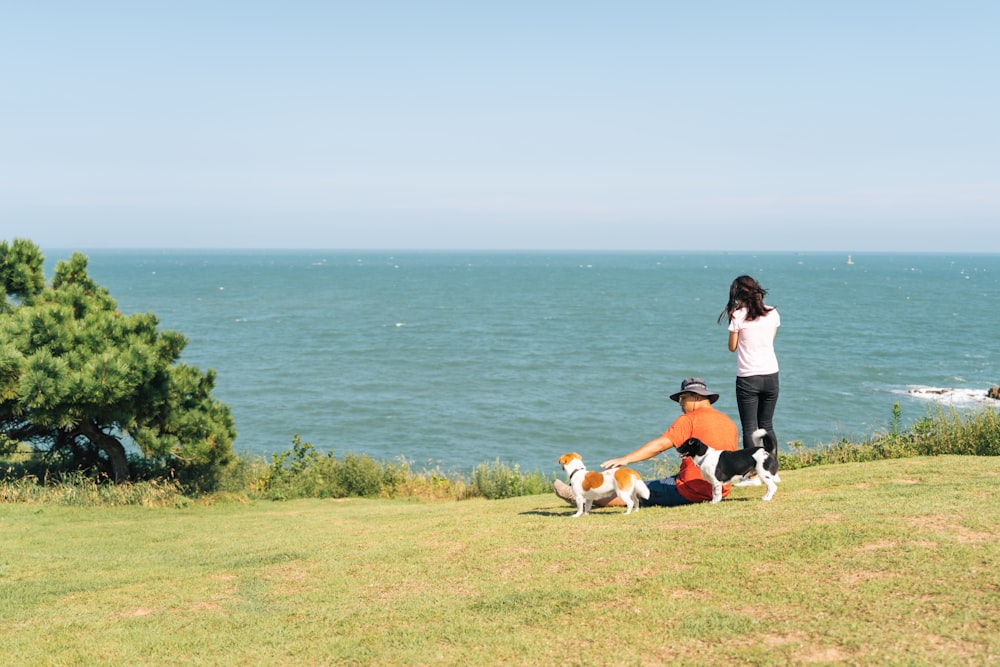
x=716, y=491
x=768, y=478
x=772, y=466
x=630, y=502
x=771, y=487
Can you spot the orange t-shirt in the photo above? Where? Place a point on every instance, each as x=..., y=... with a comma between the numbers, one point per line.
x=714, y=429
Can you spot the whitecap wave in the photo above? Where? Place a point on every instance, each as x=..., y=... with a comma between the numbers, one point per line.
x=951, y=395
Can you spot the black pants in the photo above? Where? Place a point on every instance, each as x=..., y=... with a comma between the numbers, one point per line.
x=756, y=398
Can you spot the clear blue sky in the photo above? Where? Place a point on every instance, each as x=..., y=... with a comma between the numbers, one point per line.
x=718, y=125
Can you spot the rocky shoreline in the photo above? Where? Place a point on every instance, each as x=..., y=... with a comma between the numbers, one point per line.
x=993, y=393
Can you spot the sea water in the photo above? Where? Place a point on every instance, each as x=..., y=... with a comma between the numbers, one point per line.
x=452, y=359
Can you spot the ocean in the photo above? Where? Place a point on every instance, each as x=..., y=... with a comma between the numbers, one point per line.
x=452, y=359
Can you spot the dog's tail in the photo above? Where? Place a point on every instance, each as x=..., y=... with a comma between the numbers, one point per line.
x=761, y=438
x=641, y=489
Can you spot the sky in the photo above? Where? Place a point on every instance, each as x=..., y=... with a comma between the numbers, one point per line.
x=544, y=124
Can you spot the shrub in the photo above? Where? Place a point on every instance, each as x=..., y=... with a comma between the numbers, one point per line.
x=303, y=472
x=942, y=431
x=77, y=488
x=498, y=481
x=953, y=432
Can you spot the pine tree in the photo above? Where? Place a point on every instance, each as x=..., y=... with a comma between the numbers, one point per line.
x=79, y=378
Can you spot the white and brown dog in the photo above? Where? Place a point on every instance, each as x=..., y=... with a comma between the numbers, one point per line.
x=724, y=467
x=590, y=486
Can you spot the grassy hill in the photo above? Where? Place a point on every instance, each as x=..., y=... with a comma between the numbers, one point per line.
x=882, y=562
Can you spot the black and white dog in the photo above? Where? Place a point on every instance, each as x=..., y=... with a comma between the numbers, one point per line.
x=723, y=467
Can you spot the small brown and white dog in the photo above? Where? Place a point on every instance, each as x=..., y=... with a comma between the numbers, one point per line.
x=590, y=486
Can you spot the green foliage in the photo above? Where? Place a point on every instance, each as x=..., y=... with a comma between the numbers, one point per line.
x=20, y=272
x=81, y=380
x=434, y=485
x=943, y=431
x=7, y=446
x=302, y=472
x=950, y=431
x=496, y=481
x=79, y=489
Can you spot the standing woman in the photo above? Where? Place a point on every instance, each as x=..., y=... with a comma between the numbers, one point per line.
x=752, y=328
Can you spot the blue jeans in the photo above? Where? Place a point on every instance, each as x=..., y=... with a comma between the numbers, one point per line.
x=663, y=493
x=756, y=398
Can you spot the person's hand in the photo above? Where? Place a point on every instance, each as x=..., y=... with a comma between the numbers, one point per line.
x=614, y=463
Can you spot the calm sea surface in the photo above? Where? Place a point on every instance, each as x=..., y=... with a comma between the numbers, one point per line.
x=457, y=358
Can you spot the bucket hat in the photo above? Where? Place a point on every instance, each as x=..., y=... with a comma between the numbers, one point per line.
x=695, y=386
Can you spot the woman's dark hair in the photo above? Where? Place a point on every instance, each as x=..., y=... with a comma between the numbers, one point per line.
x=745, y=292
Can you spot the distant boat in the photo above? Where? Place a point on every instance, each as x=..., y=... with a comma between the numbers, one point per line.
x=849, y=260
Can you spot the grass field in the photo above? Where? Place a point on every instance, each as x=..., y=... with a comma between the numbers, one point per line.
x=886, y=562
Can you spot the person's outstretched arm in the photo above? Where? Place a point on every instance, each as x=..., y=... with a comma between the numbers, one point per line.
x=647, y=451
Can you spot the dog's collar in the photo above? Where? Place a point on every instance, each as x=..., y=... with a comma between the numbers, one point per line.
x=574, y=472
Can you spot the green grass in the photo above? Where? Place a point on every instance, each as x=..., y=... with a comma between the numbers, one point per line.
x=885, y=562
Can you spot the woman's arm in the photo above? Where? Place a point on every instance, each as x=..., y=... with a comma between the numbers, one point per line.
x=734, y=338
